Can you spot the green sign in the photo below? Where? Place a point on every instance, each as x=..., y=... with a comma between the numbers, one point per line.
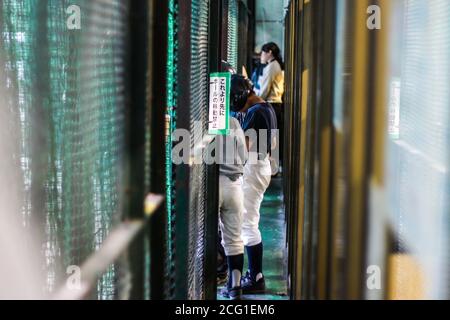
x=219, y=103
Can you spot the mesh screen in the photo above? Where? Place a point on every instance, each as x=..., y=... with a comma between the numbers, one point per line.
x=419, y=153
x=233, y=19
x=197, y=110
x=74, y=81
x=171, y=125
x=199, y=118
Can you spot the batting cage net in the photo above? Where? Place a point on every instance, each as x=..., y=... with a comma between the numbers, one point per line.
x=62, y=74
x=81, y=140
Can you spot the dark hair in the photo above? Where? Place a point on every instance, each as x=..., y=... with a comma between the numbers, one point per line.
x=241, y=89
x=276, y=52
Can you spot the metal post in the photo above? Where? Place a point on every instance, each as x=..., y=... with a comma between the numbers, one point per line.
x=215, y=57
x=182, y=171
x=136, y=113
x=157, y=98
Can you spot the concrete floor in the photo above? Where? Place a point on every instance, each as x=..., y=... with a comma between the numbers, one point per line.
x=273, y=229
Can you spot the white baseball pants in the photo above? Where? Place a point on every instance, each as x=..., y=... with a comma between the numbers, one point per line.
x=231, y=209
x=256, y=181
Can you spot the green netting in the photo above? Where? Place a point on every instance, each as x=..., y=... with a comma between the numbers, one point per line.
x=74, y=81
x=198, y=127
x=19, y=21
x=186, y=219
x=233, y=20
x=171, y=125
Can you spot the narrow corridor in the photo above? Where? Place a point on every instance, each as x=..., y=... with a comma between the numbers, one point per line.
x=273, y=228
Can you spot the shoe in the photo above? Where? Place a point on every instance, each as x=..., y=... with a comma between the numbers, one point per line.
x=235, y=293
x=232, y=294
x=250, y=286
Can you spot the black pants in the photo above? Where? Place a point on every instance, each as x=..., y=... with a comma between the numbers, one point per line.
x=279, y=111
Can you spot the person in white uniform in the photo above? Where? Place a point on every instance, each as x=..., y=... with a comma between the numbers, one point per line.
x=222, y=263
x=232, y=154
x=259, y=121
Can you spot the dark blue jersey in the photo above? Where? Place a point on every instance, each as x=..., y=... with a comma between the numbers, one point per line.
x=261, y=116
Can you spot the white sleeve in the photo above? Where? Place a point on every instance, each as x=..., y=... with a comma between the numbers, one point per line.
x=266, y=82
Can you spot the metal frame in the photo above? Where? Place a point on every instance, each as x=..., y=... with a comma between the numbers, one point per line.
x=325, y=63
x=157, y=56
x=294, y=107
x=146, y=138
x=341, y=147
x=378, y=242
x=326, y=241
x=182, y=171
x=308, y=143
x=137, y=126
x=359, y=156
x=212, y=218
